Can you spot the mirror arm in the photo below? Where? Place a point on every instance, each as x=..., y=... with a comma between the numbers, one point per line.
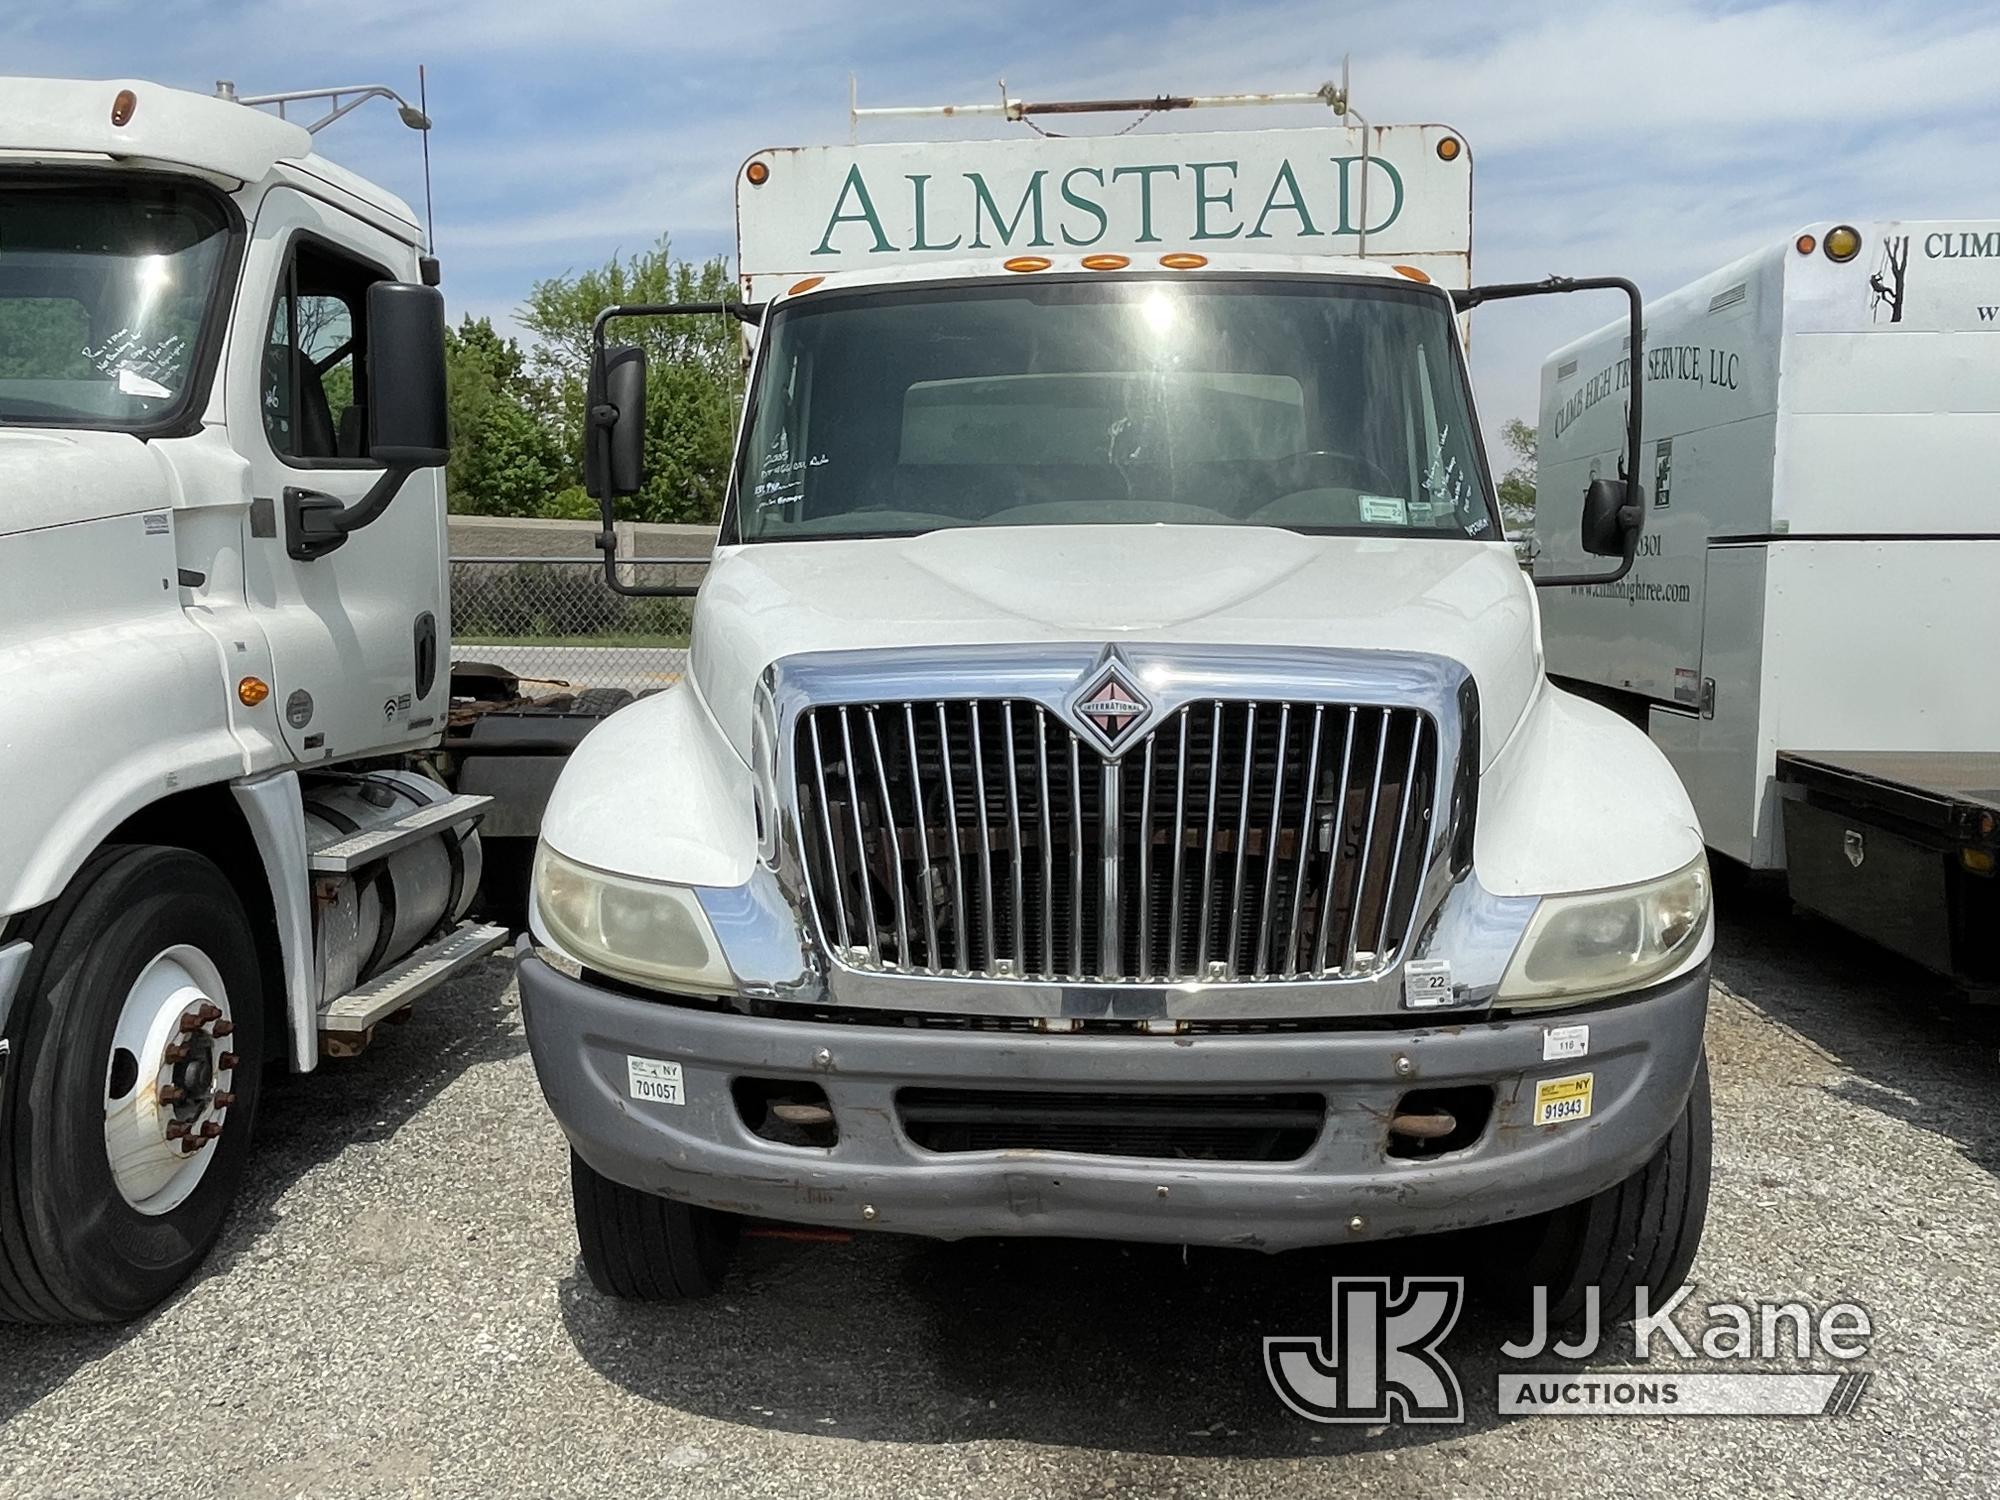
x=1634, y=514
x=317, y=523
x=603, y=415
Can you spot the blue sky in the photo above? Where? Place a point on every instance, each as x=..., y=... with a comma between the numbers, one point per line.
x=1652, y=140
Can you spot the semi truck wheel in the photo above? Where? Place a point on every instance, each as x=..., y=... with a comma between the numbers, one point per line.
x=133, y=1078
x=1643, y=1232
x=646, y=1248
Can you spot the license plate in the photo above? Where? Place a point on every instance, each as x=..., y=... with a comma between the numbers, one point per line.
x=1560, y=1100
x=654, y=1080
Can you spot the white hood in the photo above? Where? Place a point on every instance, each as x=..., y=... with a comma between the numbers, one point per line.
x=51, y=477
x=1209, y=585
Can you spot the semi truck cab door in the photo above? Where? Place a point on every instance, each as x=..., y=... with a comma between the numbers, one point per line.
x=348, y=638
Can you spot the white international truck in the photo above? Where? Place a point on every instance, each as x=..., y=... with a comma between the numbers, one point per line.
x=223, y=622
x=1802, y=631
x=1116, y=791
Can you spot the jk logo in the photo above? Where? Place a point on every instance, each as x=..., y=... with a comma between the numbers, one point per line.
x=1380, y=1362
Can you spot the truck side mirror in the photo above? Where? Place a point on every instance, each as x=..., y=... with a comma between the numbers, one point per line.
x=406, y=421
x=614, y=455
x=1607, y=516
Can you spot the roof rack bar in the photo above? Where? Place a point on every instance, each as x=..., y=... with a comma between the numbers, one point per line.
x=1333, y=95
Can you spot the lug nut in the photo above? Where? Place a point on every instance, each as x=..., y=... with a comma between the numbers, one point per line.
x=222, y=1028
x=190, y=1020
x=171, y=1093
x=210, y=1130
x=210, y=1011
x=223, y=1099
x=226, y=1061
x=176, y=1129
x=174, y=1052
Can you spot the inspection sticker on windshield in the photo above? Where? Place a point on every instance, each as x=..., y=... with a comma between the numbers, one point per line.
x=1426, y=982
x=655, y=1081
x=1559, y=1100
x=1562, y=1042
x=1385, y=510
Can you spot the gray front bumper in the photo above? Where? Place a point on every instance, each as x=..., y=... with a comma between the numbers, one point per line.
x=1643, y=1054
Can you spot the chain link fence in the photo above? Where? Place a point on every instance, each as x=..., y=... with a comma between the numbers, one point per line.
x=554, y=622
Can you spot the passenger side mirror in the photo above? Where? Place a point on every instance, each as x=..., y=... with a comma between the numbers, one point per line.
x=1607, y=516
x=406, y=407
x=614, y=457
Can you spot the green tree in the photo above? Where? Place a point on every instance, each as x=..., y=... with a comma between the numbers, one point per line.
x=1517, y=487
x=507, y=452
x=693, y=377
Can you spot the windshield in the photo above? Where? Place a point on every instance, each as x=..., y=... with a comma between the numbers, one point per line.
x=1314, y=404
x=104, y=289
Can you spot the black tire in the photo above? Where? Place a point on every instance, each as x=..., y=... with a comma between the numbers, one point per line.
x=1643, y=1232
x=72, y=1250
x=601, y=701
x=645, y=1248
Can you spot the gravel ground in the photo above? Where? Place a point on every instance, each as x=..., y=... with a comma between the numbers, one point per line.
x=396, y=1309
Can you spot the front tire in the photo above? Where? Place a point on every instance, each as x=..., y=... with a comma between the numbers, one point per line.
x=1642, y=1232
x=645, y=1248
x=137, y=1051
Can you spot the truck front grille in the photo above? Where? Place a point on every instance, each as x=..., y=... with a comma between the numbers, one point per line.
x=1236, y=841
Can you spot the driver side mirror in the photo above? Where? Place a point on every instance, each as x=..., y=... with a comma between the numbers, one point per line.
x=406, y=408
x=614, y=456
x=1608, y=515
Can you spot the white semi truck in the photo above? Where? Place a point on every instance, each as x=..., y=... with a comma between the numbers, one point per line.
x=223, y=628
x=1802, y=631
x=1117, y=791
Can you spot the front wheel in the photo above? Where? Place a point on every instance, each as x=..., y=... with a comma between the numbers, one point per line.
x=1642, y=1232
x=136, y=1057
x=645, y=1248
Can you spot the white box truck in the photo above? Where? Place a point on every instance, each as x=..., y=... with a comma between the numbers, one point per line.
x=1820, y=572
x=1116, y=791
x=223, y=628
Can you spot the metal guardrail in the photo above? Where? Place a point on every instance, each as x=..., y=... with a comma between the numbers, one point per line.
x=553, y=623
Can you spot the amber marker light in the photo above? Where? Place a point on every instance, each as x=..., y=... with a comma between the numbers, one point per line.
x=1450, y=148
x=123, y=106
x=1805, y=244
x=252, y=691
x=1413, y=273
x=1106, y=262
x=804, y=286
x=757, y=173
x=1842, y=242
x=1183, y=260
x=1028, y=263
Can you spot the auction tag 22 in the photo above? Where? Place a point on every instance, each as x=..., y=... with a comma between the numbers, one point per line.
x=655, y=1081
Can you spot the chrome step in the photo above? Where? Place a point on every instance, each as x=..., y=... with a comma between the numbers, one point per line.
x=423, y=971
x=349, y=851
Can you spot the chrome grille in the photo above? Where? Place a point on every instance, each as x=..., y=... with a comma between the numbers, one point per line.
x=1235, y=841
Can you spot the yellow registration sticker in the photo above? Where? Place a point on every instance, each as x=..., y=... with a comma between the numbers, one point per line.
x=1560, y=1100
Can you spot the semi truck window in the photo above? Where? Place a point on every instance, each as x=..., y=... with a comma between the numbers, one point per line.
x=313, y=356
x=1315, y=404
x=109, y=299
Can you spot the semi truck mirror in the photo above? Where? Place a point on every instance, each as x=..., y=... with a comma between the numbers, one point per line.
x=1605, y=518
x=406, y=420
x=614, y=459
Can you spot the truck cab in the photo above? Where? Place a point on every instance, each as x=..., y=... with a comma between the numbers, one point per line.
x=1117, y=791
x=222, y=661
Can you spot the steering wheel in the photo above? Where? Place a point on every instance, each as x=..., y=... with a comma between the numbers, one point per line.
x=1325, y=468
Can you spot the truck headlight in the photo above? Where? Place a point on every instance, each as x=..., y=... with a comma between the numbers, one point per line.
x=1596, y=944
x=641, y=930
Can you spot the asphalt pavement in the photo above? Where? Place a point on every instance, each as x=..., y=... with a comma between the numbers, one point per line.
x=396, y=1308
